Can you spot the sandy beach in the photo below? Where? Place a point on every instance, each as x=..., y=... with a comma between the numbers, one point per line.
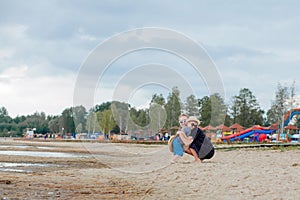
x=68, y=170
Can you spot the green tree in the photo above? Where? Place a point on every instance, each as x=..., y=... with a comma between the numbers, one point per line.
x=139, y=117
x=173, y=108
x=213, y=110
x=66, y=122
x=205, y=110
x=192, y=106
x=157, y=112
x=158, y=99
x=53, y=124
x=218, y=111
x=79, y=116
x=3, y=112
x=106, y=121
x=158, y=117
x=120, y=111
x=228, y=120
x=38, y=121
x=21, y=125
x=19, y=119
x=292, y=103
x=79, y=128
x=246, y=110
x=279, y=106
x=284, y=101
x=92, y=124
x=4, y=117
x=102, y=107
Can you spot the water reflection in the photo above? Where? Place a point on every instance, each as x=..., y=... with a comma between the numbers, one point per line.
x=24, y=147
x=41, y=154
x=22, y=167
x=15, y=146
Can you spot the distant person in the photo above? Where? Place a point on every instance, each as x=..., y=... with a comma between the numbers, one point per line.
x=160, y=136
x=166, y=136
x=157, y=137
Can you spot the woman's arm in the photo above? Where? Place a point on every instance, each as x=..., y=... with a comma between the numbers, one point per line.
x=187, y=140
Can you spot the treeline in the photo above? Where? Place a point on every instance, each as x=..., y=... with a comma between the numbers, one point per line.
x=162, y=113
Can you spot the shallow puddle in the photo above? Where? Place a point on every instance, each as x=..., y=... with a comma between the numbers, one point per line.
x=22, y=167
x=15, y=146
x=41, y=154
x=24, y=147
x=45, y=147
x=10, y=164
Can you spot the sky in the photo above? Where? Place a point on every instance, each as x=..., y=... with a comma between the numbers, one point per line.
x=46, y=45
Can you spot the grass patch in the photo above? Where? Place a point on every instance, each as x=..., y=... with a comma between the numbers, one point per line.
x=229, y=149
x=282, y=149
x=290, y=148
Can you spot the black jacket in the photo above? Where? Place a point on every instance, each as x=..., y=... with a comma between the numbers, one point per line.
x=202, y=145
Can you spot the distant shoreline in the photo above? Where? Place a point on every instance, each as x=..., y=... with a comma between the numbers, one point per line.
x=219, y=146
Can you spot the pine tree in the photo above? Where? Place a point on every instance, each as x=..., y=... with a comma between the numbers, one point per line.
x=192, y=106
x=173, y=108
x=278, y=106
x=245, y=109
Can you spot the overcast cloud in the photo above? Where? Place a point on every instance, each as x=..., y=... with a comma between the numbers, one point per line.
x=254, y=44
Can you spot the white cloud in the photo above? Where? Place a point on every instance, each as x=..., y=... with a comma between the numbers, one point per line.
x=27, y=94
x=6, y=53
x=81, y=34
x=15, y=31
x=13, y=74
x=254, y=44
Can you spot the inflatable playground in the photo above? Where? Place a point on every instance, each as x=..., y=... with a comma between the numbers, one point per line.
x=267, y=134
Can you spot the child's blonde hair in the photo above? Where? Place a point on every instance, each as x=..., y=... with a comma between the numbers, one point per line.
x=183, y=115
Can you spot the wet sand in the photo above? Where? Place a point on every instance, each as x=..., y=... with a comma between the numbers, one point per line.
x=136, y=171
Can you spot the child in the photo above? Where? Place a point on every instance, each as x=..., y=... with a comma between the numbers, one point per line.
x=179, y=143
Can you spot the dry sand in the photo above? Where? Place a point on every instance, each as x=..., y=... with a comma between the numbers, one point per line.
x=135, y=171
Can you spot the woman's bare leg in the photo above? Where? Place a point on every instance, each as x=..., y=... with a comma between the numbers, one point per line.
x=194, y=153
x=188, y=151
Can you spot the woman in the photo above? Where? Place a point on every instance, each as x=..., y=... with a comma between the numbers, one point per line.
x=201, y=147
